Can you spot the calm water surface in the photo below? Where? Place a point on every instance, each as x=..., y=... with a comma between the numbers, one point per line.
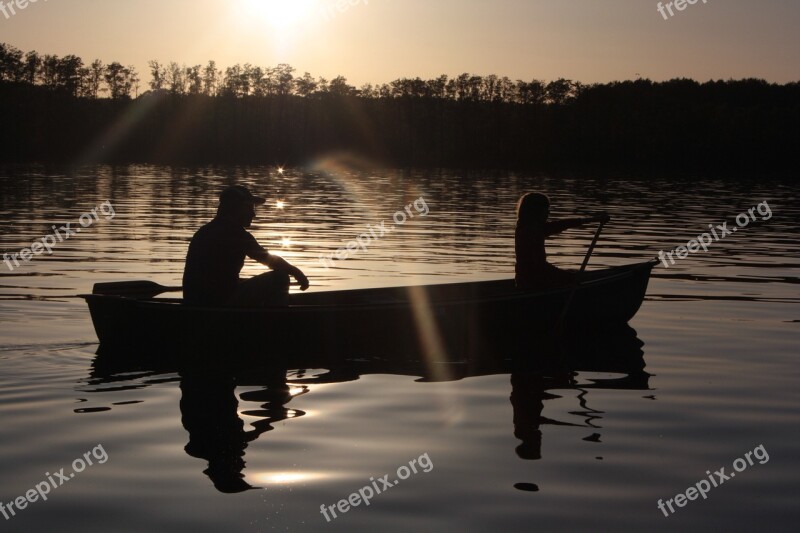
x=589, y=446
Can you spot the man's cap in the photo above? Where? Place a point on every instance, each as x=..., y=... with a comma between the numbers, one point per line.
x=239, y=194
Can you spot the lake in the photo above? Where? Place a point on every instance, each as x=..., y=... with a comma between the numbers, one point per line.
x=709, y=380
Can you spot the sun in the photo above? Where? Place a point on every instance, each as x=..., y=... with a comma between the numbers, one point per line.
x=281, y=15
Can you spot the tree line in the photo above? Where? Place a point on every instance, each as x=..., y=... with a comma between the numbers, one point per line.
x=70, y=75
x=67, y=74
x=53, y=108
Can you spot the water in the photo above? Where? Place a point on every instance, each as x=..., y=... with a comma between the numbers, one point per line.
x=587, y=445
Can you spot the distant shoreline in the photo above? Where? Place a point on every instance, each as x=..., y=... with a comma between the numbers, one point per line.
x=630, y=129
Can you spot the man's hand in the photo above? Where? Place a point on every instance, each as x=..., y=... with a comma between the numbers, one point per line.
x=279, y=264
x=301, y=278
x=603, y=218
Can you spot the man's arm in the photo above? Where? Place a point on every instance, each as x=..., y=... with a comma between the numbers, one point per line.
x=279, y=264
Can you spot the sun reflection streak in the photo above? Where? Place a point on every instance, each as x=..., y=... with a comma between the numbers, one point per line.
x=344, y=168
x=135, y=112
x=434, y=350
x=286, y=478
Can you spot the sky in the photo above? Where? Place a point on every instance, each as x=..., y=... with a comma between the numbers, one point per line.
x=377, y=41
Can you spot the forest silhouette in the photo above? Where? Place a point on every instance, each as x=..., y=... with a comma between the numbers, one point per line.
x=62, y=110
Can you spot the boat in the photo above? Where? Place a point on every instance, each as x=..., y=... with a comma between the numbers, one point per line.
x=438, y=322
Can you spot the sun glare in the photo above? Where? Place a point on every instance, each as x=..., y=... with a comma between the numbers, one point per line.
x=283, y=478
x=281, y=15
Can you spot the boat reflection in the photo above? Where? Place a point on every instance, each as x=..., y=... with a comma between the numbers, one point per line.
x=210, y=407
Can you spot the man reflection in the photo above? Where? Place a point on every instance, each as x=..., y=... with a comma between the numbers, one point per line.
x=209, y=412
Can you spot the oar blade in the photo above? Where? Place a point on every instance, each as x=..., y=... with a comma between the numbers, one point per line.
x=132, y=289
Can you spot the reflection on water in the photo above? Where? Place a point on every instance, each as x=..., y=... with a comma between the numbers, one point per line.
x=569, y=437
x=467, y=234
x=216, y=433
x=210, y=409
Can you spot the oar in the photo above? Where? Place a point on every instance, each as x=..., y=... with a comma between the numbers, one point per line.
x=577, y=278
x=138, y=290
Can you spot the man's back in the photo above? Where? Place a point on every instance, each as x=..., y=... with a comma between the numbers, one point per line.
x=215, y=258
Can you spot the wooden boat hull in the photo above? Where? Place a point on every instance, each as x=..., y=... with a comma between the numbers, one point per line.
x=443, y=322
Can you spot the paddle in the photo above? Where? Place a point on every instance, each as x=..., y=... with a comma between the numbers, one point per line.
x=136, y=290
x=560, y=324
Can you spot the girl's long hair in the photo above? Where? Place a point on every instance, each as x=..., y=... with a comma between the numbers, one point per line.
x=530, y=207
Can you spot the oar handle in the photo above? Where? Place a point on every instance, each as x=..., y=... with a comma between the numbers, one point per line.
x=565, y=310
x=591, y=246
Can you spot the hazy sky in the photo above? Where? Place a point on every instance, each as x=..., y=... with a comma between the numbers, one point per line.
x=381, y=40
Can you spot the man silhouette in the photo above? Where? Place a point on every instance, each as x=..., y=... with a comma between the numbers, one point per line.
x=217, y=253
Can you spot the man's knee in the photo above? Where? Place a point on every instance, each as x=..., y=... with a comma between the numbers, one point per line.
x=271, y=280
x=281, y=279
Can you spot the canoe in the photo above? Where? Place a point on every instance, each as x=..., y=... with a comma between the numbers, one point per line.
x=440, y=322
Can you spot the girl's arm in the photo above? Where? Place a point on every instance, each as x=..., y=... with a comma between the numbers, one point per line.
x=557, y=226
